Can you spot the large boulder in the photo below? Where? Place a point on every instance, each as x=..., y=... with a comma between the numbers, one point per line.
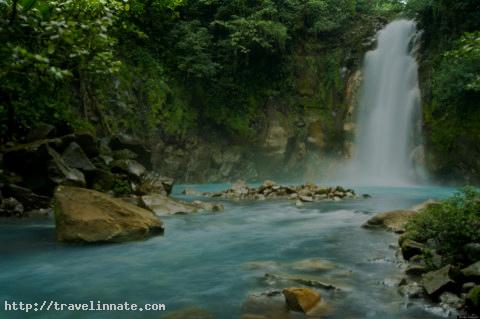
x=75, y=157
x=164, y=205
x=85, y=140
x=436, y=282
x=394, y=220
x=60, y=173
x=83, y=215
x=130, y=167
x=301, y=299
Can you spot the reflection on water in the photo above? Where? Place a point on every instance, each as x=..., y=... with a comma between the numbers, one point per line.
x=206, y=260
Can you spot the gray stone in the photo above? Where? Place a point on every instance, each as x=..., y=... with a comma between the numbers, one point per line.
x=75, y=157
x=411, y=290
x=61, y=174
x=450, y=300
x=437, y=281
x=211, y=207
x=472, y=271
x=164, y=205
x=129, y=167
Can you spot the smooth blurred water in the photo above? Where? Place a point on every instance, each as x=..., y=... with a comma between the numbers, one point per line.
x=201, y=260
x=388, y=111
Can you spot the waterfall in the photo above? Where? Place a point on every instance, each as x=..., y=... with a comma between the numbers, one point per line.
x=389, y=110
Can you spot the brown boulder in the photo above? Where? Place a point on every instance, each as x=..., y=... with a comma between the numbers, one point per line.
x=83, y=215
x=301, y=299
x=393, y=221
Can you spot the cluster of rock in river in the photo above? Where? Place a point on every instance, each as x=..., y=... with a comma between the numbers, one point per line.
x=454, y=287
x=305, y=193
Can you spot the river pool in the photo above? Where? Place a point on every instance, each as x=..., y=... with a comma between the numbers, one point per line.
x=218, y=261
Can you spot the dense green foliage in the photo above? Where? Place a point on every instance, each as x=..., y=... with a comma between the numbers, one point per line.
x=450, y=69
x=451, y=225
x=168, y=65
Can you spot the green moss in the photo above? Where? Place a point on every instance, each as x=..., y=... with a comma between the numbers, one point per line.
x=474, y=296
x=121, y=187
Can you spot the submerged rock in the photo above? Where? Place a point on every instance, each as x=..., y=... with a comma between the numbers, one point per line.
x=191, y=192
x=410, y=290
x=208, y=206
x=83, y=215
x=164, y=205
x=450, y=300
x=190, y=313
x=301, y=299
x=309, y=281
x=314, y=265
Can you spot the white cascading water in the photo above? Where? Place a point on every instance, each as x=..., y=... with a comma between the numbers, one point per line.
x=388, y=111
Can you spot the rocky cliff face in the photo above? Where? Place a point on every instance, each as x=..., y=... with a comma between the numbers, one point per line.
x=299, y=134
x=291, y=143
